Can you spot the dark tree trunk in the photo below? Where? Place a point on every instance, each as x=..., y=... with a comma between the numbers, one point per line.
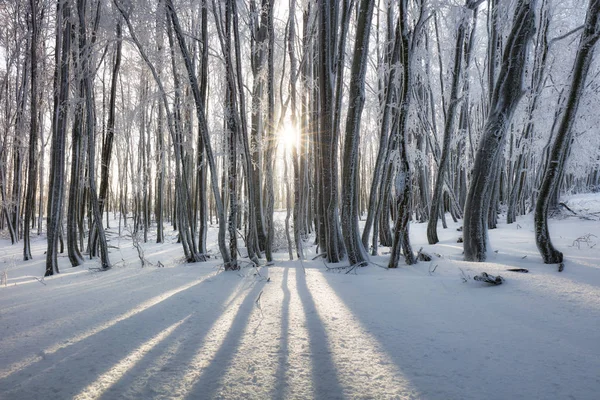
x=443, y=166
x=350, y=230
x=506, y=95
x=36, y=19
x=59, y=120
x=559, y=153
x=90, y=124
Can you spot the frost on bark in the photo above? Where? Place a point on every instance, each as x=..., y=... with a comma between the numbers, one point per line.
x=519, y=173
x=327, y=138
x=380, y=162
x=506, y=95
x=443, y=166
x=85, y=45
x=204, y=130
x=401, y=239
x=36, y=18
x=59, y=129
x=350, y=231
x=564, y=133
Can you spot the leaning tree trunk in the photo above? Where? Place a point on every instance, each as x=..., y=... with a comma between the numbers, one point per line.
x=558, y=154
x=350, y=230
x=506, y=96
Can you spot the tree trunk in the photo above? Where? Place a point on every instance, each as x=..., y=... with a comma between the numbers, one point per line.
x=507, y=93
x=36, y=18
x=90, y=124
x=443, y=166
x=350, y=230
x=559, y=153
x=59, y=120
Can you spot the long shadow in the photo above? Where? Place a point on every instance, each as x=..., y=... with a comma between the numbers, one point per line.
x=282, y=384
x=70, y=369
x=211, y=379
x=155, y=375
x=324, y=376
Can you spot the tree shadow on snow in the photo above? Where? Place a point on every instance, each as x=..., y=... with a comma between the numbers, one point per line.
x=78, y=363
x=325, y=380
x=208, y=384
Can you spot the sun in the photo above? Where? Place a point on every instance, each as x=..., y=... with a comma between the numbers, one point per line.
x=288, y=135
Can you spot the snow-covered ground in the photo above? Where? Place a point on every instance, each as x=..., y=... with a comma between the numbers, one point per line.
x=295, y=330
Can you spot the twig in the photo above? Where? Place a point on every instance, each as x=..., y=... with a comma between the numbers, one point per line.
x=432, y=271
x=40, y=280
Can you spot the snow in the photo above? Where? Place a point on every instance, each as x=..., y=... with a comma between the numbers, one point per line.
x=296, y=330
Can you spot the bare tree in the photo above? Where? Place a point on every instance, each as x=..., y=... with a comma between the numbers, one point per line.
x=506, y=96
x=564, y=133
x=59, y=120
x=37, y=16
x=350, y=229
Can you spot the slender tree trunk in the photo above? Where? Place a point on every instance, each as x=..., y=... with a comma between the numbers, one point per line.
x=57, y=161
x=36, y=19
x=350, y=230
x=559, y=153
x=90, y=124
x=203, y=127
x=107, y=145
x=327, y=136
x=443, y=166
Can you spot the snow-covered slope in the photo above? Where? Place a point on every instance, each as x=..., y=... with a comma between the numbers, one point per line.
x=296, y=330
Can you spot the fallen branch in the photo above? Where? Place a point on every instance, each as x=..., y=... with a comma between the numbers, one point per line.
x=491, y=279
x=567, y=207
x=423, y=256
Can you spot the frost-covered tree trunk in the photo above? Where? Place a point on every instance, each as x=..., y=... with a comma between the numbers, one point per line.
x=160, y=120
x=298, y=209
x=403, y=188
x=538, y=78
x=326, y=154
x=270, y=133
x=258, y=65
x=59, y=130
x=85, y=45
x=200, y=198
x=76, y=183
x=203, y=128
x=350, y=231
x=107, y=144
x=252, y=239
x=443, y=166
x=390, y=93
x=232, y=125
x=36, y=18
x=559, y=153
x=506, y=95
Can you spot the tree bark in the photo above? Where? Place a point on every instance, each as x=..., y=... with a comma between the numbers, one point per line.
x=57, y=160
x=506, y=95
x=350, y=230
x=36, y=18
x=559, y=153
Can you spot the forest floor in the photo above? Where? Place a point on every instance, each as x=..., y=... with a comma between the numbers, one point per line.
x=295, y=330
